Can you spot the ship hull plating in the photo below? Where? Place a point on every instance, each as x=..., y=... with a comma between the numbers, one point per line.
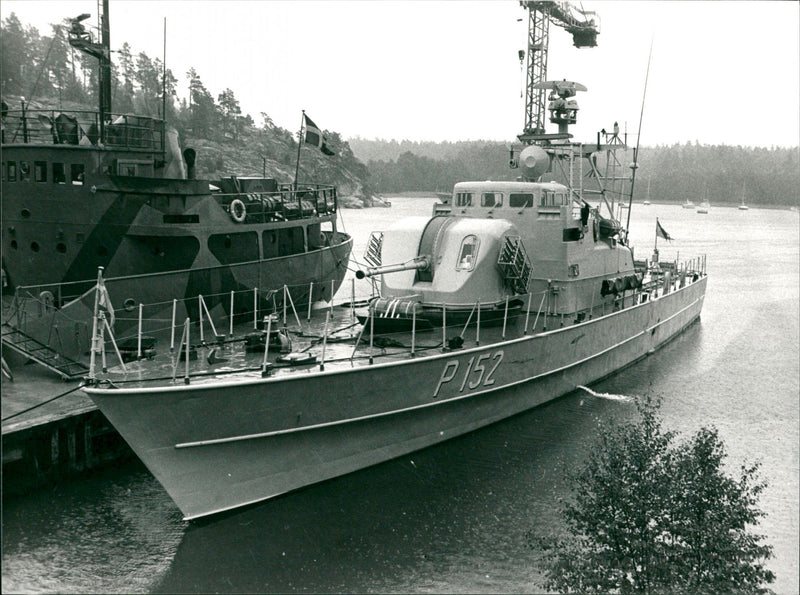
x=223, y=445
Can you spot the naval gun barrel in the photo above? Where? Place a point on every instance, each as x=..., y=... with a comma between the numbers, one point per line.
x=420, y=264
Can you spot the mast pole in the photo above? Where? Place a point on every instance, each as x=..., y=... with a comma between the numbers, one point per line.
x=638, y=138
x=105, y=70
x=164, y=75
x=164, y=91
x=299, y=144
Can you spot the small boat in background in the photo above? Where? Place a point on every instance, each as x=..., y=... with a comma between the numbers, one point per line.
x=743, y=206
x=688, y=204
x=704, y=206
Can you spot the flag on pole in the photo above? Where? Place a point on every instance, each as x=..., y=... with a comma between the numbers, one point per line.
x=661, y=232
x=104, y=302
x=315, y=137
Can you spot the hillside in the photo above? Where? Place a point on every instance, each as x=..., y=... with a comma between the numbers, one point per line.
x=51, y=75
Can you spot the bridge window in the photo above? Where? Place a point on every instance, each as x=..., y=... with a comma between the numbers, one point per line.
x=269, y=241
x=491, y=199
x=59, y=177
x=126, y=169
x=468, y=253
x=77, y=174
x=291, y=240
x=40, y=171
x=553, y=199
x=234, y=247
x=134, y=168
x=463, y=199
x=520, y=200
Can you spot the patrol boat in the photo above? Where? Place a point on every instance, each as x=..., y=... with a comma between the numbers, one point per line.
x=544, y=259
x=89, y=189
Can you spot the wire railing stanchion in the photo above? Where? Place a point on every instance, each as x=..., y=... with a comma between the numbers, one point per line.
x=172, y=329
x=324, y=341
x=255, y=307
x=230, y=328
x=139, y=334
x=310, y=299
x=187, y=347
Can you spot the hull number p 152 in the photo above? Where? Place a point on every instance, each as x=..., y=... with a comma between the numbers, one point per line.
x=480, y=372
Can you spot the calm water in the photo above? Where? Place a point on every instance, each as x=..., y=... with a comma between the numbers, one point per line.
x=453, y=518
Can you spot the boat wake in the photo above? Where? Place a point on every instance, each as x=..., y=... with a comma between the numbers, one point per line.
x=626, y=398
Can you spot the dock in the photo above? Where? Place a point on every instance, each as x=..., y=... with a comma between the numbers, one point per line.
x=51, y=431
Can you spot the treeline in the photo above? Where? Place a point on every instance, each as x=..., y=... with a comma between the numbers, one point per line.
x=720, y=173
x=48, y=72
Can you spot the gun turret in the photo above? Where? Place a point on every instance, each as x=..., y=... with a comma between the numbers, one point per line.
x=420, y=264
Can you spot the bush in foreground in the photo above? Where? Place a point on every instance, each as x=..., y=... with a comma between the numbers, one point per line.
x=651, y=515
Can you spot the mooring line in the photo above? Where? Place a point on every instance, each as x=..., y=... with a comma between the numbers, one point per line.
x=81, y=385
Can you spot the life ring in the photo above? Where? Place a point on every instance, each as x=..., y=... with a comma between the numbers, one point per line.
x=238, y=211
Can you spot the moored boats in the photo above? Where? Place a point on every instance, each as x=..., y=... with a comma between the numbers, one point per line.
x=512, y=293
x=89, y=189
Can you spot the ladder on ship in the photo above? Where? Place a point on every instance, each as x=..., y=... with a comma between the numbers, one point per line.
x=515, y=265
x=42, y=354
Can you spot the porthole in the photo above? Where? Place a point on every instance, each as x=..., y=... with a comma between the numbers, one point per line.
x=129, y=305
x=35, y=246
x=25, y=213
x=61, y=247
x=14, y=244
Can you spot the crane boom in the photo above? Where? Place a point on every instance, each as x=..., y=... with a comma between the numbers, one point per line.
x=584, y=29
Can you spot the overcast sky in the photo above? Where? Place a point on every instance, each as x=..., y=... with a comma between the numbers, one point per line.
x=721, y=72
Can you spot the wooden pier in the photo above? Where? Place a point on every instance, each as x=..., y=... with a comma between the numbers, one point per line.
x=46, y=437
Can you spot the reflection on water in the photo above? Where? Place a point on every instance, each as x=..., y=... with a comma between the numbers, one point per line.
x=453, y=518
x=114, y=532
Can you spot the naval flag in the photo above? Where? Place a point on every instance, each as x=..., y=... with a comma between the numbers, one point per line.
x=104, y=302
x=661, y=232
x=315, y=137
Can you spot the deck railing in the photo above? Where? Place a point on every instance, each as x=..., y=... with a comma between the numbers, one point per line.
x=286, y=203
x=77, y=127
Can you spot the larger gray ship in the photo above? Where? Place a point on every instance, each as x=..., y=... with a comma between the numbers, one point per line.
x=89, y=189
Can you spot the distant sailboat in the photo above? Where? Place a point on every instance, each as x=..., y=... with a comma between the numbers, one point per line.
x=647, y=200
x=743, y=207
x=704, y=206
x=688, y=204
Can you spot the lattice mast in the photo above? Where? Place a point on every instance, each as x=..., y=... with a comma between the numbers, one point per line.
x=584, y=29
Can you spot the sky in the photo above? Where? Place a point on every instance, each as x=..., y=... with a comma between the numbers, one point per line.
x=719, y=72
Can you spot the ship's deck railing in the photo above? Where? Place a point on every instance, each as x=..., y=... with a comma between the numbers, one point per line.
x=76, y=127
x=286, y=203
x=291, y=307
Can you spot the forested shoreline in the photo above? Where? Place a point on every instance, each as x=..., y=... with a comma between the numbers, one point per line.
x=721, y=174
x=47, y=72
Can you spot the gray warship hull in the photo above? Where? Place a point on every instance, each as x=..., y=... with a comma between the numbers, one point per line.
x=226, y=444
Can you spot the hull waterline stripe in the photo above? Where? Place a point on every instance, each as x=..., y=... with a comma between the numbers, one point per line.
x=432, y=403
